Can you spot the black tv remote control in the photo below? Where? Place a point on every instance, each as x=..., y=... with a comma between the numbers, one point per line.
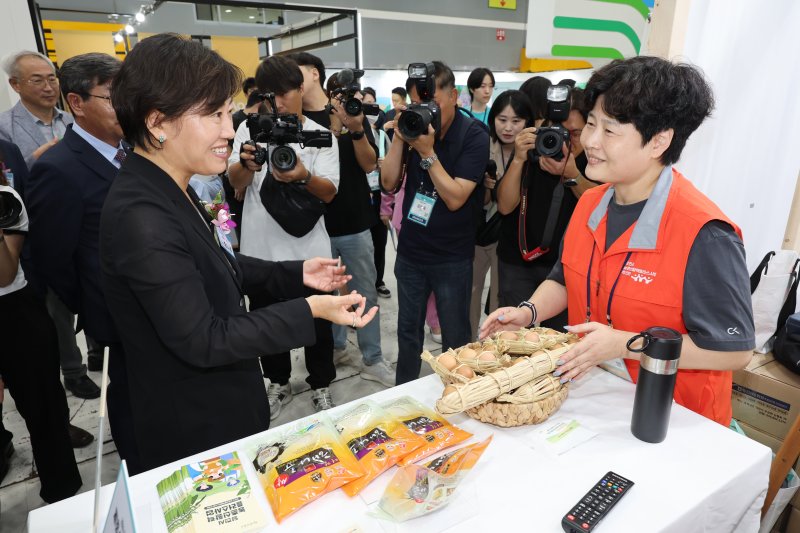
x=585, y=515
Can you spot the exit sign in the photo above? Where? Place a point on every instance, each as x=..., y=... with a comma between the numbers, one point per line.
x=503, y=4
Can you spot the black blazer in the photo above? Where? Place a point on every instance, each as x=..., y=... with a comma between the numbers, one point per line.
x=65, y=193
x=190, y=347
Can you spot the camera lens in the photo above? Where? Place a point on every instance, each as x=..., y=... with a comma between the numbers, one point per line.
x=353, y=107
x=10, y=209
x=414, y=123
x=549, y=144
x=283, y=158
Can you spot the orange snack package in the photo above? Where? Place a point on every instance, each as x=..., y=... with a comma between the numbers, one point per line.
x=299, y=467
x=376, y=440
x=437, y=432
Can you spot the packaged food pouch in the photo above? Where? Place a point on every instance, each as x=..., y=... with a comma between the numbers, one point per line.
x=376, y=439
x=437, y=432
x=300, y=466
x=418, y=490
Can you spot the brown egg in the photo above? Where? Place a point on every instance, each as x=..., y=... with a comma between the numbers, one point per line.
x=464, y=370
x=487, y=356
x=509, y=335
x=532, y=336
x=449, y=390
x=447, y=360
x=468, y=353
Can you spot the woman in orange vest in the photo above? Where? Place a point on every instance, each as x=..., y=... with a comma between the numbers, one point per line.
x=647, y=248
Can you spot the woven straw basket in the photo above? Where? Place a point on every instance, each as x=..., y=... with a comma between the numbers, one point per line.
x=514, y=389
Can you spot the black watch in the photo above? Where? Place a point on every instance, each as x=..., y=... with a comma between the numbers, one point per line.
x=357, y=135
x=532, y=307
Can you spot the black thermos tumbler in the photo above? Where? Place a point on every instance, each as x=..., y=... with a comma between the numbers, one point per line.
x=661, y=350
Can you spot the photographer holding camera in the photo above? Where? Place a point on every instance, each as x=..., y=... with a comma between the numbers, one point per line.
x=316, y=170
x=350, y=215
x=29, y=362
x=444, y=155
x=537, y=196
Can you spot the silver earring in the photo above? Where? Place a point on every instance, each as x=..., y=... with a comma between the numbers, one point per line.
x=161, y=138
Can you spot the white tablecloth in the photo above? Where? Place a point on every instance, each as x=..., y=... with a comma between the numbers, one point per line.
x=703, y=477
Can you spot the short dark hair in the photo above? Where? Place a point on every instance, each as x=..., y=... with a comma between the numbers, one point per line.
x=409, y=84
x=445, y=79
x=172, y=75
x=279, y=75
x=248, y=84
x=654, y=95
x=536, y=89
x=518, y=101
x=400, y=91
x=475, y=79
x=370, y=91
x=82, y=73
x=578, y=102
x=304, y=59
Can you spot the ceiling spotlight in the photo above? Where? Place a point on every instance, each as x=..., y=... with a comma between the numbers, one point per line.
x=129, y=29
x=139, y=17
x=118, y=37
x=251, y=17
x=228, y=10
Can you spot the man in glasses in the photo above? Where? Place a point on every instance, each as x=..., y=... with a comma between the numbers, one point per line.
x=34, y=124
x=65, y=195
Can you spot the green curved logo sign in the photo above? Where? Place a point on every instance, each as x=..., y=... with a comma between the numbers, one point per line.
x=595, y=30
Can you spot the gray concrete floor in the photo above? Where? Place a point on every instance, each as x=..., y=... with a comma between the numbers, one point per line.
x=19, y=492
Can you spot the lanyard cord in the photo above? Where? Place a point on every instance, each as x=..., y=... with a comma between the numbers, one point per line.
x=610, y=295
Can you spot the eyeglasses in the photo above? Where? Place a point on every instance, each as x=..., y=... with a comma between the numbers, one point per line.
x=107, y=98
x=39, y=83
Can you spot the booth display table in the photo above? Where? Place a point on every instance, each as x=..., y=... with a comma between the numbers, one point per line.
x=703, y=477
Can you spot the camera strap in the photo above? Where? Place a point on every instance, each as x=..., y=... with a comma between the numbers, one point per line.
x=549, y=226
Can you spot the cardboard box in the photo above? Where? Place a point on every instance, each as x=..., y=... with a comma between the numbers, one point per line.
x=766, y=396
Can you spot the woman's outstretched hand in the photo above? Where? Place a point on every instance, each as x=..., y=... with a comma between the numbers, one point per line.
x=339, y=309
x=505, y=318
x=324, y=274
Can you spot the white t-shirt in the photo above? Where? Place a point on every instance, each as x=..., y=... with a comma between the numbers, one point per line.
x=262, y=236
x=22, y=226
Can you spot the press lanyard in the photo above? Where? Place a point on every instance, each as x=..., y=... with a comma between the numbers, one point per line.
x=610, y=295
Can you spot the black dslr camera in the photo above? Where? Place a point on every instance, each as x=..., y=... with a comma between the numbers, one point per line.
x=550, y=139
x=10, y=209
x=279, y=130
x=414, y=121
x=347, y=80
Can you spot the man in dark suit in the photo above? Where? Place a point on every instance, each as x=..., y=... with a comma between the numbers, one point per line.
x=65, y=195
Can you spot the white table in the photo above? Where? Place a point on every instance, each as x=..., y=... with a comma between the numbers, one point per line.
x=703, y=477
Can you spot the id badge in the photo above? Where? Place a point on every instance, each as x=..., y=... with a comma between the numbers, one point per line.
x=373, y=178
x=224, y=242
x=421, y=209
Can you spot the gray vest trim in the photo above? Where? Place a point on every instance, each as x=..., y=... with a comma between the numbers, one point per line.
x=645, y=232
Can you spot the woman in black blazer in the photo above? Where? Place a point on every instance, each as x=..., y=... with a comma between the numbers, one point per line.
x=186, y=377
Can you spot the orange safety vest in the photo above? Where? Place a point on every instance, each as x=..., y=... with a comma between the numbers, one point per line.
x=649, y=286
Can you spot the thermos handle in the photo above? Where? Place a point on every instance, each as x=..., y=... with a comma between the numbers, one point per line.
x=646, y=338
